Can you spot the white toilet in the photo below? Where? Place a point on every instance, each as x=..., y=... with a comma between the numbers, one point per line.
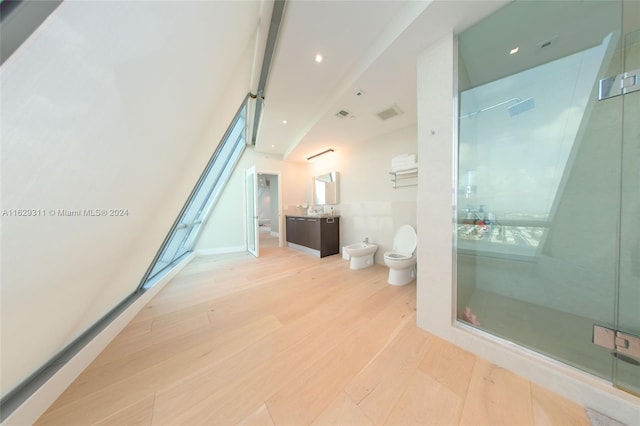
x=402, y=259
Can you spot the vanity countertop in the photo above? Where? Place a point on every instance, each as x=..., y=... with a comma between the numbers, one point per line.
x=313, y=216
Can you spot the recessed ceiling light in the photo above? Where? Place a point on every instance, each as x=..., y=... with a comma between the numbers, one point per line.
x=514, y=50
x=284, y=121
x=273, y=146
x=318, y=58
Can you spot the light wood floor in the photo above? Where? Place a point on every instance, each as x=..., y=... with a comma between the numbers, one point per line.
x=289, y=339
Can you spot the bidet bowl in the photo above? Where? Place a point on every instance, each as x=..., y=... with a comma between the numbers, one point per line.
x=361, y=249
x=361, y=255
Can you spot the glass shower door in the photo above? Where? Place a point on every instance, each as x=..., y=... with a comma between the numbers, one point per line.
x=627, y=368
x=545, y=207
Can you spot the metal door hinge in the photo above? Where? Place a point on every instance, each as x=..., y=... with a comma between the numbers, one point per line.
x=620, y=84
x=623, y=343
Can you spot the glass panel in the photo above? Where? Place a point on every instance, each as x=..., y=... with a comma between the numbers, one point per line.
x=538, y=177
x=204, y=196
x=627, y=369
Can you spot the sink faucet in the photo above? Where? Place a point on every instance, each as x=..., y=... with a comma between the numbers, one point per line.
x=366, y=240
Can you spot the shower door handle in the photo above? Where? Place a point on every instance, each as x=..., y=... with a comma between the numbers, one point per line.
x=620, y=84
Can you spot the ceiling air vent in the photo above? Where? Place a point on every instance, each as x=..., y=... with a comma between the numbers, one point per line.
x=342, y=114
x=547, y=43
x=389, y=112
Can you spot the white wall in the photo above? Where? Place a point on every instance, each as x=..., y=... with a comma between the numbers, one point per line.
x=436, y=280
x=225, y=227
x=369, y=206
x=99, y=112
x=274, y=213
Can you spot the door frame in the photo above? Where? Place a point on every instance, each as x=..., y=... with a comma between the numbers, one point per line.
x=251, y=211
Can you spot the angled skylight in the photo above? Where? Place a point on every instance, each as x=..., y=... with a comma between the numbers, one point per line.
x=204, y=196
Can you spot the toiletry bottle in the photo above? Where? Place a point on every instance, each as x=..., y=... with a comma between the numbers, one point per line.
x=480, y=216
x=470, y=220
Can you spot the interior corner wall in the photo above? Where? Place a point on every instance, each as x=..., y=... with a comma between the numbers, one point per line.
x=369, y=206
x=436, y=278
x=107, y=107
x=225, y=230
x=435, y=307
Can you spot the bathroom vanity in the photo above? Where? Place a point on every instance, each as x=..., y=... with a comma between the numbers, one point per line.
x=316, y=235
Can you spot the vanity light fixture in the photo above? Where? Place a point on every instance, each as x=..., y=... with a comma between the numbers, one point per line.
x=320, y=153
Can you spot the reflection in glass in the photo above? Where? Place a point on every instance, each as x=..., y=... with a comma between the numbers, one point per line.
x=325, y=189
x=628, y=373
x=513, y=152
x=538, y=180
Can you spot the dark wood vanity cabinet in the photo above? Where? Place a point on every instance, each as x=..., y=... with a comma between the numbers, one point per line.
x=319, y=234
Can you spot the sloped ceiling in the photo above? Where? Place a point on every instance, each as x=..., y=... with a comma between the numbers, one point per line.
x=368, y=47
x=106, y=105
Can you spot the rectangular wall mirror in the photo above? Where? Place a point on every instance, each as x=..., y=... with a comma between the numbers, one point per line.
x=325, y=189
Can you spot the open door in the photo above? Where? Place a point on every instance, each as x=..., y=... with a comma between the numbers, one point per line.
x=252, y=212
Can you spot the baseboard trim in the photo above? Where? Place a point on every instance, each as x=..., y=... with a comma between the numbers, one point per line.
x=567, y=381
x=220, y=250
x=304, y=249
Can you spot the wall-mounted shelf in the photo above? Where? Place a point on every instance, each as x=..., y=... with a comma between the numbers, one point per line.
x=403, y=178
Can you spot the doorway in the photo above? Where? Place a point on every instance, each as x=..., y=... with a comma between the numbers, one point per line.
x=263, y=206
x=548, y=196
x=268, y=203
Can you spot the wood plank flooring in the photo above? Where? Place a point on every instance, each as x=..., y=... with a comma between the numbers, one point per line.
x=289, y=339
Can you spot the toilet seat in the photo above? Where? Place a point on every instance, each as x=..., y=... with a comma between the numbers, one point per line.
x=405, y=241
x=394, y=255
x=402, y=259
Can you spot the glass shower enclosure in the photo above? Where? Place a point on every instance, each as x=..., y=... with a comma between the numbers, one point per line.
x=548, y=183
